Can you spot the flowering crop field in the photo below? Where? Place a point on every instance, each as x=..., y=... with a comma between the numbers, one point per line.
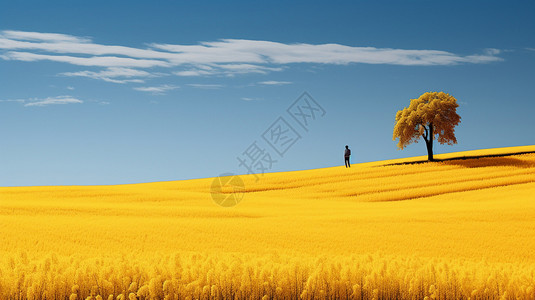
x=448, y=229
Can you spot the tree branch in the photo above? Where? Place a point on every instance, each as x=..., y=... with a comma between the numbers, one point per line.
x=426, y=134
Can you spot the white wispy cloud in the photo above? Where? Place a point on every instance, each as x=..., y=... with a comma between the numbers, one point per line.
x=46, y=101
x=206, y=86
x=38, y=36
x=232, y=69
x=251, y=51
x=274, y=82
x=194, y=72
x=94, y=61
x=226, y=57
x=157, y=90
x=114, y=74
x=226, y=70
x=249, y=99
x=53, y=101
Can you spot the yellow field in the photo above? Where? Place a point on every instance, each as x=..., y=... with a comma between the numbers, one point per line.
x=452, y=229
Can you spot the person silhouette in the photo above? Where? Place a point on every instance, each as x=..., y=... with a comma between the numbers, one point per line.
x=347, y=154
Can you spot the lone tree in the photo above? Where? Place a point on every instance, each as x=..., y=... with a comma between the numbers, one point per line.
x=432, y=114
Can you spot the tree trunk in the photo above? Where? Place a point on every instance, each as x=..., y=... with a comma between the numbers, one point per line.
x=429, y=143
x=429, y=150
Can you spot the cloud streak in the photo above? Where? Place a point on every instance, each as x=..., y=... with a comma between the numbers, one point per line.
x=250, y=99
x=226, y=57
x=206, y=86
x=46, y=101
x=114, y=74
x=274, y=82
x=228, y=70
x=37, y=36
x=94, y=61
x=53, y=101
x=157, y=90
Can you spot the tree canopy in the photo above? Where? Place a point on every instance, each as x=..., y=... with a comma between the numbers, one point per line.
x=432, y=116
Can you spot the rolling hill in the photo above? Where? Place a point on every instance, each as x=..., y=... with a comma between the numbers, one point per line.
x=460, y=227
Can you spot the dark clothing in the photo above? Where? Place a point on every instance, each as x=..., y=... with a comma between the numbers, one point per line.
x=347, y=154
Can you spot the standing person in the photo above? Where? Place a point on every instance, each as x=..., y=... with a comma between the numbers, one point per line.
x=347, y=154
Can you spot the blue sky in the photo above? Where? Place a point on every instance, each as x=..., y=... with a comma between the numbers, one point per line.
x=109, y=92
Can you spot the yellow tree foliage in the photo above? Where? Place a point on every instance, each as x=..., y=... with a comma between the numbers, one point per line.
x=432, y=116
